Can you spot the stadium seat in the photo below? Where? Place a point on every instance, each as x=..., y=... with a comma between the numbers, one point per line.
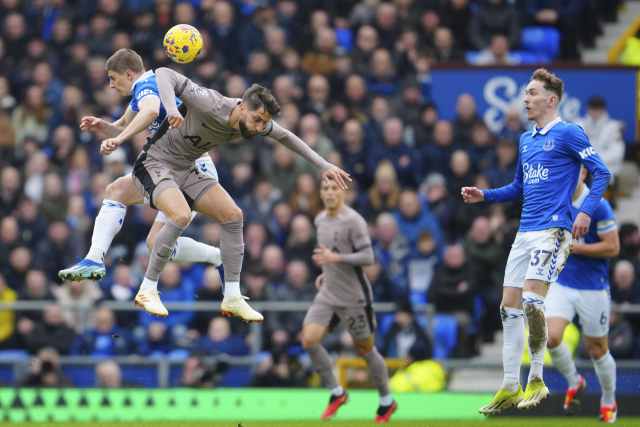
x=445, y=336
x=478, y=307
x=544, y=40
x=384, y=323
x=471, y=56
x=344, y=38
x=417, y=298
x=527, y=57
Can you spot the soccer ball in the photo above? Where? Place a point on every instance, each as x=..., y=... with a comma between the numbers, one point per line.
x=183, y=43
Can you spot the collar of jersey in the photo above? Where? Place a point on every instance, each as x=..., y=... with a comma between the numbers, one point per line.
x=577, y=203
x=141, y=78
x=547, y=128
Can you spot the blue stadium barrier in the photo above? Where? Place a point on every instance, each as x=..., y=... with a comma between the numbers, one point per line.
x=541, y=40
x=478, y=308
x=516, y=56
x=237, y=377
x=6, y=375
x=13, y=354
x=417, y=298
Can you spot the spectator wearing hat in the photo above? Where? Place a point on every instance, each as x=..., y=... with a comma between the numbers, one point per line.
x=408, y=104
x=440, y=202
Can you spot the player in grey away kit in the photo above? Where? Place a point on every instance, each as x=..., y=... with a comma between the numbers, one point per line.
x=344, y=295
x=166, y=174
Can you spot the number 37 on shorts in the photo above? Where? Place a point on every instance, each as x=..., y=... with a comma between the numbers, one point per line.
x=539, y=255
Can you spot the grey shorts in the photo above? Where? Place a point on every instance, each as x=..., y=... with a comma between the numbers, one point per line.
x=152, y=177
x=359, y=321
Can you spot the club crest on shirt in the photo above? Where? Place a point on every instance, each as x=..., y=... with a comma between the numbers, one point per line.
x=548, y=145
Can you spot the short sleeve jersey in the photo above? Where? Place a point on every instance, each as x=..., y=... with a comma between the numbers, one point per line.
x=344, y=285
x=144, y=87
x=583, y=272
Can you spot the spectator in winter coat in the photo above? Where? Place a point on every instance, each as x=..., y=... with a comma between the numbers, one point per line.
x=504, y=170
x=495, y=17
x=51, y=332
x=106, y=339
x=452, y=291
x=412, y=217
x=392, y=252
x=395, y=150
x=485, y=260
x=436, y=156
x=621, y=339
x=220, y=340
x=287, y=325
x=440, y=202
x=625, y=288
x=404, y=334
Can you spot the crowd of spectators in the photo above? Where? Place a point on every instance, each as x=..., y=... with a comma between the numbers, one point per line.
x=352, y=78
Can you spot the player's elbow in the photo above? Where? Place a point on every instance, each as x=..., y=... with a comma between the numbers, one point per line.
x=370, y=258
x=615, y=249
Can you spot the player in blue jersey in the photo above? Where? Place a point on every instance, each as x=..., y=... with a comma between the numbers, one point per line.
x=128, y=76
x=583, y=288
x=549, y=166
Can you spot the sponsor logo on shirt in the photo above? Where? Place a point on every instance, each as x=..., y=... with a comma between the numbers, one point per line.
x=145, y=92
x=533, y=175
x=587, y=152
x=524, y=148
x=548, y=145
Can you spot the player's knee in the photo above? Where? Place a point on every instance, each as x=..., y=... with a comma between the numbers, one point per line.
x=113, y=192
x=554, y=340
x=363, y=347
x=309, y=340
x=597, y=349
x=181, y=217
x=235, y=214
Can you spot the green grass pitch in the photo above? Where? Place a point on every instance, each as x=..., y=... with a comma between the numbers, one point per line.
x=493, y=422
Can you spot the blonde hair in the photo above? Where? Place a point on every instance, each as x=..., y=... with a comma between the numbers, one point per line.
x=549, y=81
x=385, y=170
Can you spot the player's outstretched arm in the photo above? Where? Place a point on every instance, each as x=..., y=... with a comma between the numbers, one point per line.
x=96, y=124
x=298, y=146
x=472, y=195
x=172, y=84
x=149, y=111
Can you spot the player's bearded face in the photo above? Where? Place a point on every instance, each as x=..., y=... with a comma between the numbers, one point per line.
x=244, y=129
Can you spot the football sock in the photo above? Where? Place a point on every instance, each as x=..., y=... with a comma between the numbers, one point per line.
x=533, y=305
x=162, y=249
x=231, y=289
x=188, y=250
x=563, y=361
x=385, y=400
x=108, y=223
x=148, y=284
x=337, y=391
x=232, y=249
x=514, y=336
x=379, y=371
x=322, y=364
x=606, y=372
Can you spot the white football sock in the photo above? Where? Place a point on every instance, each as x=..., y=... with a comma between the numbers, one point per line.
x=337, y=391
x=108, y=224
x=386, y=400
x=533, y=305
x=188, y=250
x=148, y=284
x=514, y=336
x=231, y=289
x=606, y=372
x=563, y=361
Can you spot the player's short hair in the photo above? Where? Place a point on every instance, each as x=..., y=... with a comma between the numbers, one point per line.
x=123, y=60
x=258, y=97
x=549, y=81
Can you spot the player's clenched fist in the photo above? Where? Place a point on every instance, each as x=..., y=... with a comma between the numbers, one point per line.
x=472, y=195
x=91, y=124
x=109, y=145
x=175, y=121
